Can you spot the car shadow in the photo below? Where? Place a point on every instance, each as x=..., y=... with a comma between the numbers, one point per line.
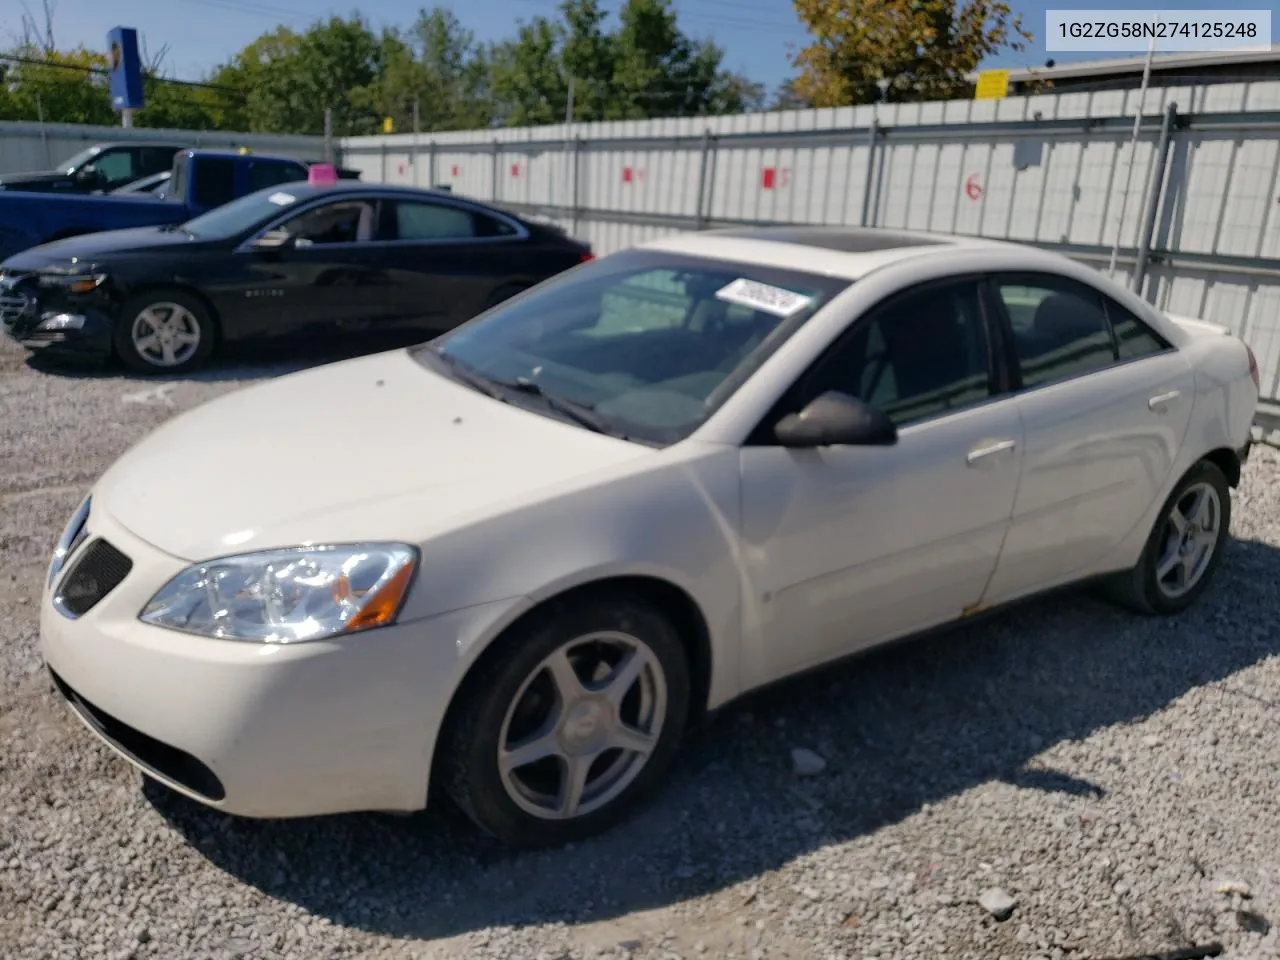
x=239, y=361
x=908, y=725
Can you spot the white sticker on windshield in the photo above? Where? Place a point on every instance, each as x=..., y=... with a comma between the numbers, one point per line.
x=282, y=199
x=764, y=296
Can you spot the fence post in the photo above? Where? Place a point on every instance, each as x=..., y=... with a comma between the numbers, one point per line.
x=494, y=170
x=706, y=177
x=873, y=137
x=415, y=141
x=1155, y=193
x=573, y=184
x=431, y=164
x=383, y=179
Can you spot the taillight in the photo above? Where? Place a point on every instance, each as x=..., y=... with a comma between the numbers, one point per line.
x=1253, y=369
x=587, y=255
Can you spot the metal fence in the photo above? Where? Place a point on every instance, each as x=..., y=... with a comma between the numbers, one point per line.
x=43, y=146
x=1194, y=205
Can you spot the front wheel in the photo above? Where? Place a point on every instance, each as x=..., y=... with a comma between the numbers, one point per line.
x=568, y=722
x=1184, y=548
x=164, y=331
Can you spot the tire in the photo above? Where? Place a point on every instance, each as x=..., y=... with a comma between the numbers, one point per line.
x=512, y=698
x=1144, y=589
x=191, y=327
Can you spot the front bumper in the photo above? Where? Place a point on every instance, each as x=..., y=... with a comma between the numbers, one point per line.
x=92, y=340
x=253, y=729
x=38, y=320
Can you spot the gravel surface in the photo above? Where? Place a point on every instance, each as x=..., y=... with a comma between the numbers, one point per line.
x=1106, y=782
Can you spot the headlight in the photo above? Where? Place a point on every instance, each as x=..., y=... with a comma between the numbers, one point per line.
x=287, y=596
x=75, y=283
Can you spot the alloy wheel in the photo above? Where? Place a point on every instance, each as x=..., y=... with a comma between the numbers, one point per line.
x=1192, y=531
x=582, y=726
x=166, y=334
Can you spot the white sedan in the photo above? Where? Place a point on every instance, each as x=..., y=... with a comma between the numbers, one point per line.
x=517, y=562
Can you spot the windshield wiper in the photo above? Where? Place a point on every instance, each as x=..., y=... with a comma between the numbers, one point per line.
x=472, y=379
x=581, y=413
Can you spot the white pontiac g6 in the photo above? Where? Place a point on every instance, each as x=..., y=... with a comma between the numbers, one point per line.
x=518, y=561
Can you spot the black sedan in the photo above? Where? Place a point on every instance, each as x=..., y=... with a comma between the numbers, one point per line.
x=295, y=259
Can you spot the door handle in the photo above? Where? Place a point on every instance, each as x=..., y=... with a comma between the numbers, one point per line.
x=1160, y=399
x=978, y=453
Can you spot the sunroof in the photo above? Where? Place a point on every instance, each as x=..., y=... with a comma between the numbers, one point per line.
x=843, y=239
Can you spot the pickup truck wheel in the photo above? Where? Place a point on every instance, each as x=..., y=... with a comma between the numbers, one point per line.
x=164, y=331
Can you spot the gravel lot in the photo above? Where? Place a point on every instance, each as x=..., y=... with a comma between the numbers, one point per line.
x=1115, y=777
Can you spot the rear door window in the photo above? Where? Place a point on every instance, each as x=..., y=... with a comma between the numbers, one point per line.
x=214, y=182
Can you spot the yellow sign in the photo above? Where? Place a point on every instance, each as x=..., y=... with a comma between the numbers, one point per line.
x=992, y=85
x=387, y=125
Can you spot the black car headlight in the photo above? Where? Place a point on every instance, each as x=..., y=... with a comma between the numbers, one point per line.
x=73, y=283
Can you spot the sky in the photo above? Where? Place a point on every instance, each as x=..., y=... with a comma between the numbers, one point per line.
x=759, y=36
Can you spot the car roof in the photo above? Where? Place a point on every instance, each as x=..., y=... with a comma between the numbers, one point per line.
x=215, y=152
x=307, y=191
x=848, y=252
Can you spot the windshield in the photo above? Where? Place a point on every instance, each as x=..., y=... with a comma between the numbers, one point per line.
x=79, y=160
x=236, y=217
x=651, y=343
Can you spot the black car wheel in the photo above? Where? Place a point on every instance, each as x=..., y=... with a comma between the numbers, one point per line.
x=568, y=721
x=164, y=331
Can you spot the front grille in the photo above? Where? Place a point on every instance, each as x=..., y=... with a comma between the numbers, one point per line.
x=18, y=306
x=148, y=752
x=100, y=569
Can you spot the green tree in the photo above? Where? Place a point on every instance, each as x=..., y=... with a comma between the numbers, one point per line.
x=438, y=65
x=529, y=83
x=292, y=78
x=588, y=56
x=922, y=48
x=63, y=89
x=661, y=72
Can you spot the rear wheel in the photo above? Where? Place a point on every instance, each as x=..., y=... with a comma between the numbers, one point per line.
x=164, y=331
x=569, y=722
x=1184, y=548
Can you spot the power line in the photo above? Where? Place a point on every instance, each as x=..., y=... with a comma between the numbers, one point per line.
x=102, y=71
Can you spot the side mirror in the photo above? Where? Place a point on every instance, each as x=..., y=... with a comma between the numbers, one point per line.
x=87, y=174
x=836, y=419
x=273, y=240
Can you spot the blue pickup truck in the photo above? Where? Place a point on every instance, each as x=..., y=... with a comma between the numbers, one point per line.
x=200, y=181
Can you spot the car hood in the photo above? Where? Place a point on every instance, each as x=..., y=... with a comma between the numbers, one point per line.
x=376, y=448
x=91, y=249
x=43, y=179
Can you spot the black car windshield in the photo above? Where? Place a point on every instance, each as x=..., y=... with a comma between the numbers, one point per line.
x=230, y=219
x=651, y=343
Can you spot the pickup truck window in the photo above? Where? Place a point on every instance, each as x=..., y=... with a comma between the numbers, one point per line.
x=78, y=160
x=214, y=182
x=155, y=160
x=116, y=167
x=263, y=175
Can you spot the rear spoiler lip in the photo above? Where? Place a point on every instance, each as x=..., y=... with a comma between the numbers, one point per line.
x=1199, y=327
